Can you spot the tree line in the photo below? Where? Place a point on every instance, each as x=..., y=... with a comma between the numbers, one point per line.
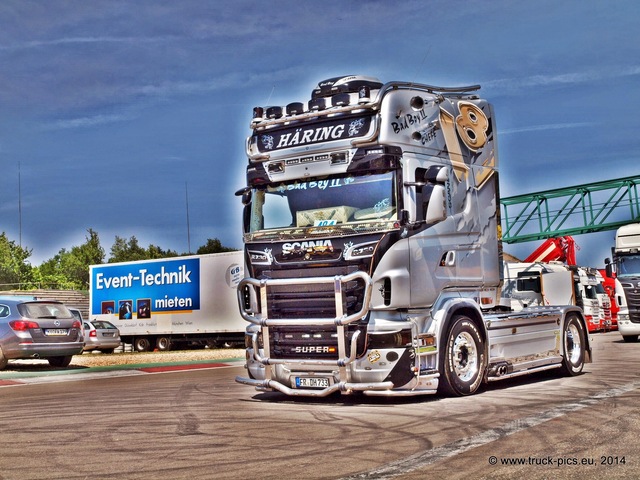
x=69, y=269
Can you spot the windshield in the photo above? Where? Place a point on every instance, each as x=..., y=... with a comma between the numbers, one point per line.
x=331, y=201
x=628, y=265
x=590, y=292
x=44, y=310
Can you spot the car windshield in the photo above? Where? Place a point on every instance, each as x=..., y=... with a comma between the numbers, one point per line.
x=628, y=265
x=103, y=325
x=44, y=310
x=324, y=202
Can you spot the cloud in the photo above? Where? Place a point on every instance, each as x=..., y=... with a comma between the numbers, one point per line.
x=550, y=126
x=569, y=78
x=91, y=121
x=80, y=40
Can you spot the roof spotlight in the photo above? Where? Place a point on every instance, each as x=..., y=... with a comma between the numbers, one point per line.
x=274, y=112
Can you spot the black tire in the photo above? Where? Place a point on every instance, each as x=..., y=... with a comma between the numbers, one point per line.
x=163, y=344
x=3, y=361
x=141, y=344
x=463, y=360
x=107, y=350
x=573, y=346
x=60, y=362
x=630, y=338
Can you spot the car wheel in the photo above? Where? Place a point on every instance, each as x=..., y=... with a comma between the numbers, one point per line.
x=107, y=350
x=630, y=338
x=60, y=362
x=3, y=361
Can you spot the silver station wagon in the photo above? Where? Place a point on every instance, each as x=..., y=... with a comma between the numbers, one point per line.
x=38, y=329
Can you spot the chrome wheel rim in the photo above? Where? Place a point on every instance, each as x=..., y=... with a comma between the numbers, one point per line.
x=465, y=357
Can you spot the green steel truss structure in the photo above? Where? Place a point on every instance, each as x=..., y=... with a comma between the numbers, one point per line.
x=592, y=207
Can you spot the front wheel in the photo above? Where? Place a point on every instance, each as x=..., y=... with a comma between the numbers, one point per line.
x=463, y=360
x=630, y=338
x=574, y=344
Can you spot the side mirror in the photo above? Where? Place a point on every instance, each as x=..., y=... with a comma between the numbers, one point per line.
x=436, y=209
x=245, y=193
x=608, y=269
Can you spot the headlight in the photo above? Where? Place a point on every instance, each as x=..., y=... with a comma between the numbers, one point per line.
x=402, y=338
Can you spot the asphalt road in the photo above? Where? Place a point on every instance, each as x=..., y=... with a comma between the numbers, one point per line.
x=200, y=424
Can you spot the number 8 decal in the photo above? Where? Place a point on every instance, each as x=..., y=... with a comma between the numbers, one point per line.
x=472, y=125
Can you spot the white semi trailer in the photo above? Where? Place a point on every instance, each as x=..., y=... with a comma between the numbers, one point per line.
x=158, y=304
x=373, y=248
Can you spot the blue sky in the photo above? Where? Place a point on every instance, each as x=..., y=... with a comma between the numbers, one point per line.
x=113, y=110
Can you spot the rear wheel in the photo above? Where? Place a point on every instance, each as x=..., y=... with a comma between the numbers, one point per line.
x=574, y=343
x=463, y=361
x=60, y=362
x=3, y=361
x=163, y=344
x=630, y=338
x=142, y=344
x=107, y=350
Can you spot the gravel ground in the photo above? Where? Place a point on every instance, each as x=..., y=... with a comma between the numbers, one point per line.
x=91, y=359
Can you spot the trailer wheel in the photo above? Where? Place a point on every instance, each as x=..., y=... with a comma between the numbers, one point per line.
x=573, y=340
x=463, y=360
x=142, y=344
x=163, y=344
x=60, y=362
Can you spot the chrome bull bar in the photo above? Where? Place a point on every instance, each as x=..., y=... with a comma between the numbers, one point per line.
x=340, y=320
x=337, y=281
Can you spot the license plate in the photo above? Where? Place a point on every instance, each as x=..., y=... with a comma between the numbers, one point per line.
x=312, y=382
x=107, y=334
x=55, y=332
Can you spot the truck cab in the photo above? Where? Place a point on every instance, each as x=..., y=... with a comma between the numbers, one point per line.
x=626, y=265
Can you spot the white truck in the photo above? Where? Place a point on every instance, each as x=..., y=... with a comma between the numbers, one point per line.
x=626, y=264
x=530, y=284
x=157, y=304
x=373, y=249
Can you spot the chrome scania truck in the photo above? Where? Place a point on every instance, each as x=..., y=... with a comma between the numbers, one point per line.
x=373, y=251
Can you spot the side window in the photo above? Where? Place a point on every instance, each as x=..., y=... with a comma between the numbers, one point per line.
x=86, y=326
x=4, y=311
x=529, y=281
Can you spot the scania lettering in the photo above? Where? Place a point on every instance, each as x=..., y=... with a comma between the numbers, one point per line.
x=180, y=301
x=373, y=251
